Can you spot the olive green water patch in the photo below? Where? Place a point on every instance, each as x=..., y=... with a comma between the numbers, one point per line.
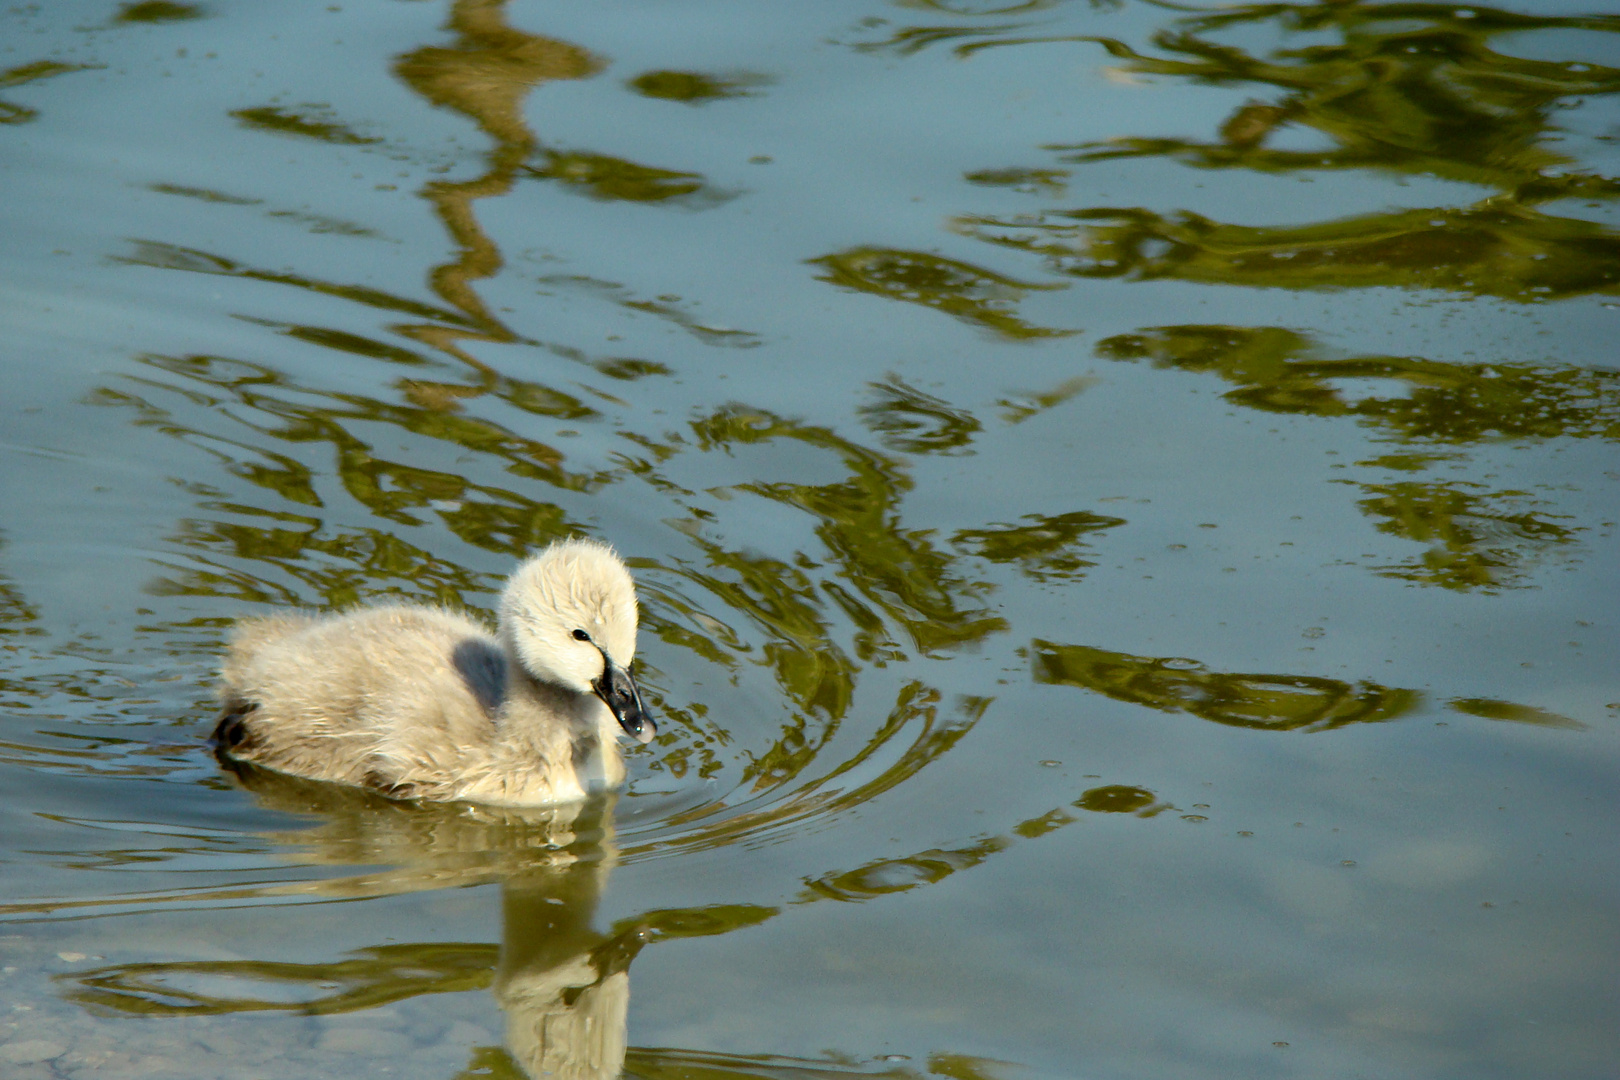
x=961, y=290
x=17, y=615
x=158, y=11
x=1029, y=181
x=1049, y=549
x=307, y=121
x=165, y=256
x=1412, y=88
x=1280, y=370
x=695, y=88
x=888, y=876
x=666, y=306
x=613, y=179
x=907, y=40
x=1508, y=251
x=910, y=421
x=901, y=572
x=1475, y=538
x=373, y=977
x=1491, y=709
x=1262, y=702
x=1477, y=535
x=12, y=113
x=1116, y=799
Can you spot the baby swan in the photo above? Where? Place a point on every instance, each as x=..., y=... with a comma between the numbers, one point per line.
x=419, y=702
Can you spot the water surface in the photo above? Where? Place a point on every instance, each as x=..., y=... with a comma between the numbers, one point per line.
x=1123, y=497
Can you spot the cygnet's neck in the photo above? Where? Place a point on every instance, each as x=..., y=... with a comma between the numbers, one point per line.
x=544, y=725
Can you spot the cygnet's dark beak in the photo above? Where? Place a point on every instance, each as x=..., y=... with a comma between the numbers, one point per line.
x=619, y=690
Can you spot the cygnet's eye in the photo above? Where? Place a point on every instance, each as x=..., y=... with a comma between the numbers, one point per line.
x=580, y=635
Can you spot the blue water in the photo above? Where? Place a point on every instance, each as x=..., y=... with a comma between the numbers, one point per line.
x=1122, y=498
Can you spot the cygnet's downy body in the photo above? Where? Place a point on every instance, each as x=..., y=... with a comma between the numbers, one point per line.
x=420, y=702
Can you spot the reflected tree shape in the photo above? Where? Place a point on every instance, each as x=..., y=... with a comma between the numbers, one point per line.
x=1048, y=550
x=884, y=877
x=1477, y=538
x=961, y=290
x=1494, y=709
x=1028, y=181
x=1497, y=249
x=670, y=1063
x=1406, y=89
x=309, y=122
x=1474, y=541
x=914, y=39
x=694, y=87
x=662, y=308
x=614, y=179
x=17, y=615
x=1261, y=702
x=1284, y=371
x=484, y=75
x=368, y=978
x=1018, y=408
x=158, y=11
x=269, y=404
x=890, y=876
x=910, y=421
x=898, y=572
x=11, y=113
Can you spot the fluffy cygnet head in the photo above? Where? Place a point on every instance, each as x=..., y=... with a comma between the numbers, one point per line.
x=569, y=616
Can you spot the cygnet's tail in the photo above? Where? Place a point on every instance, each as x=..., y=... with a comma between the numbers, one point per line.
x=250, y=637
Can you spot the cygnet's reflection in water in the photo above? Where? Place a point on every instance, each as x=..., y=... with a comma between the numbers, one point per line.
x=563, y=985
x=565, y=988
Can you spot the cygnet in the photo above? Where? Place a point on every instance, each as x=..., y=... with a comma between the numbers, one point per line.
x=423, y=703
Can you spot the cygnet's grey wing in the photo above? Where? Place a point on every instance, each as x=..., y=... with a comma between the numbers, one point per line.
x=396, y=698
